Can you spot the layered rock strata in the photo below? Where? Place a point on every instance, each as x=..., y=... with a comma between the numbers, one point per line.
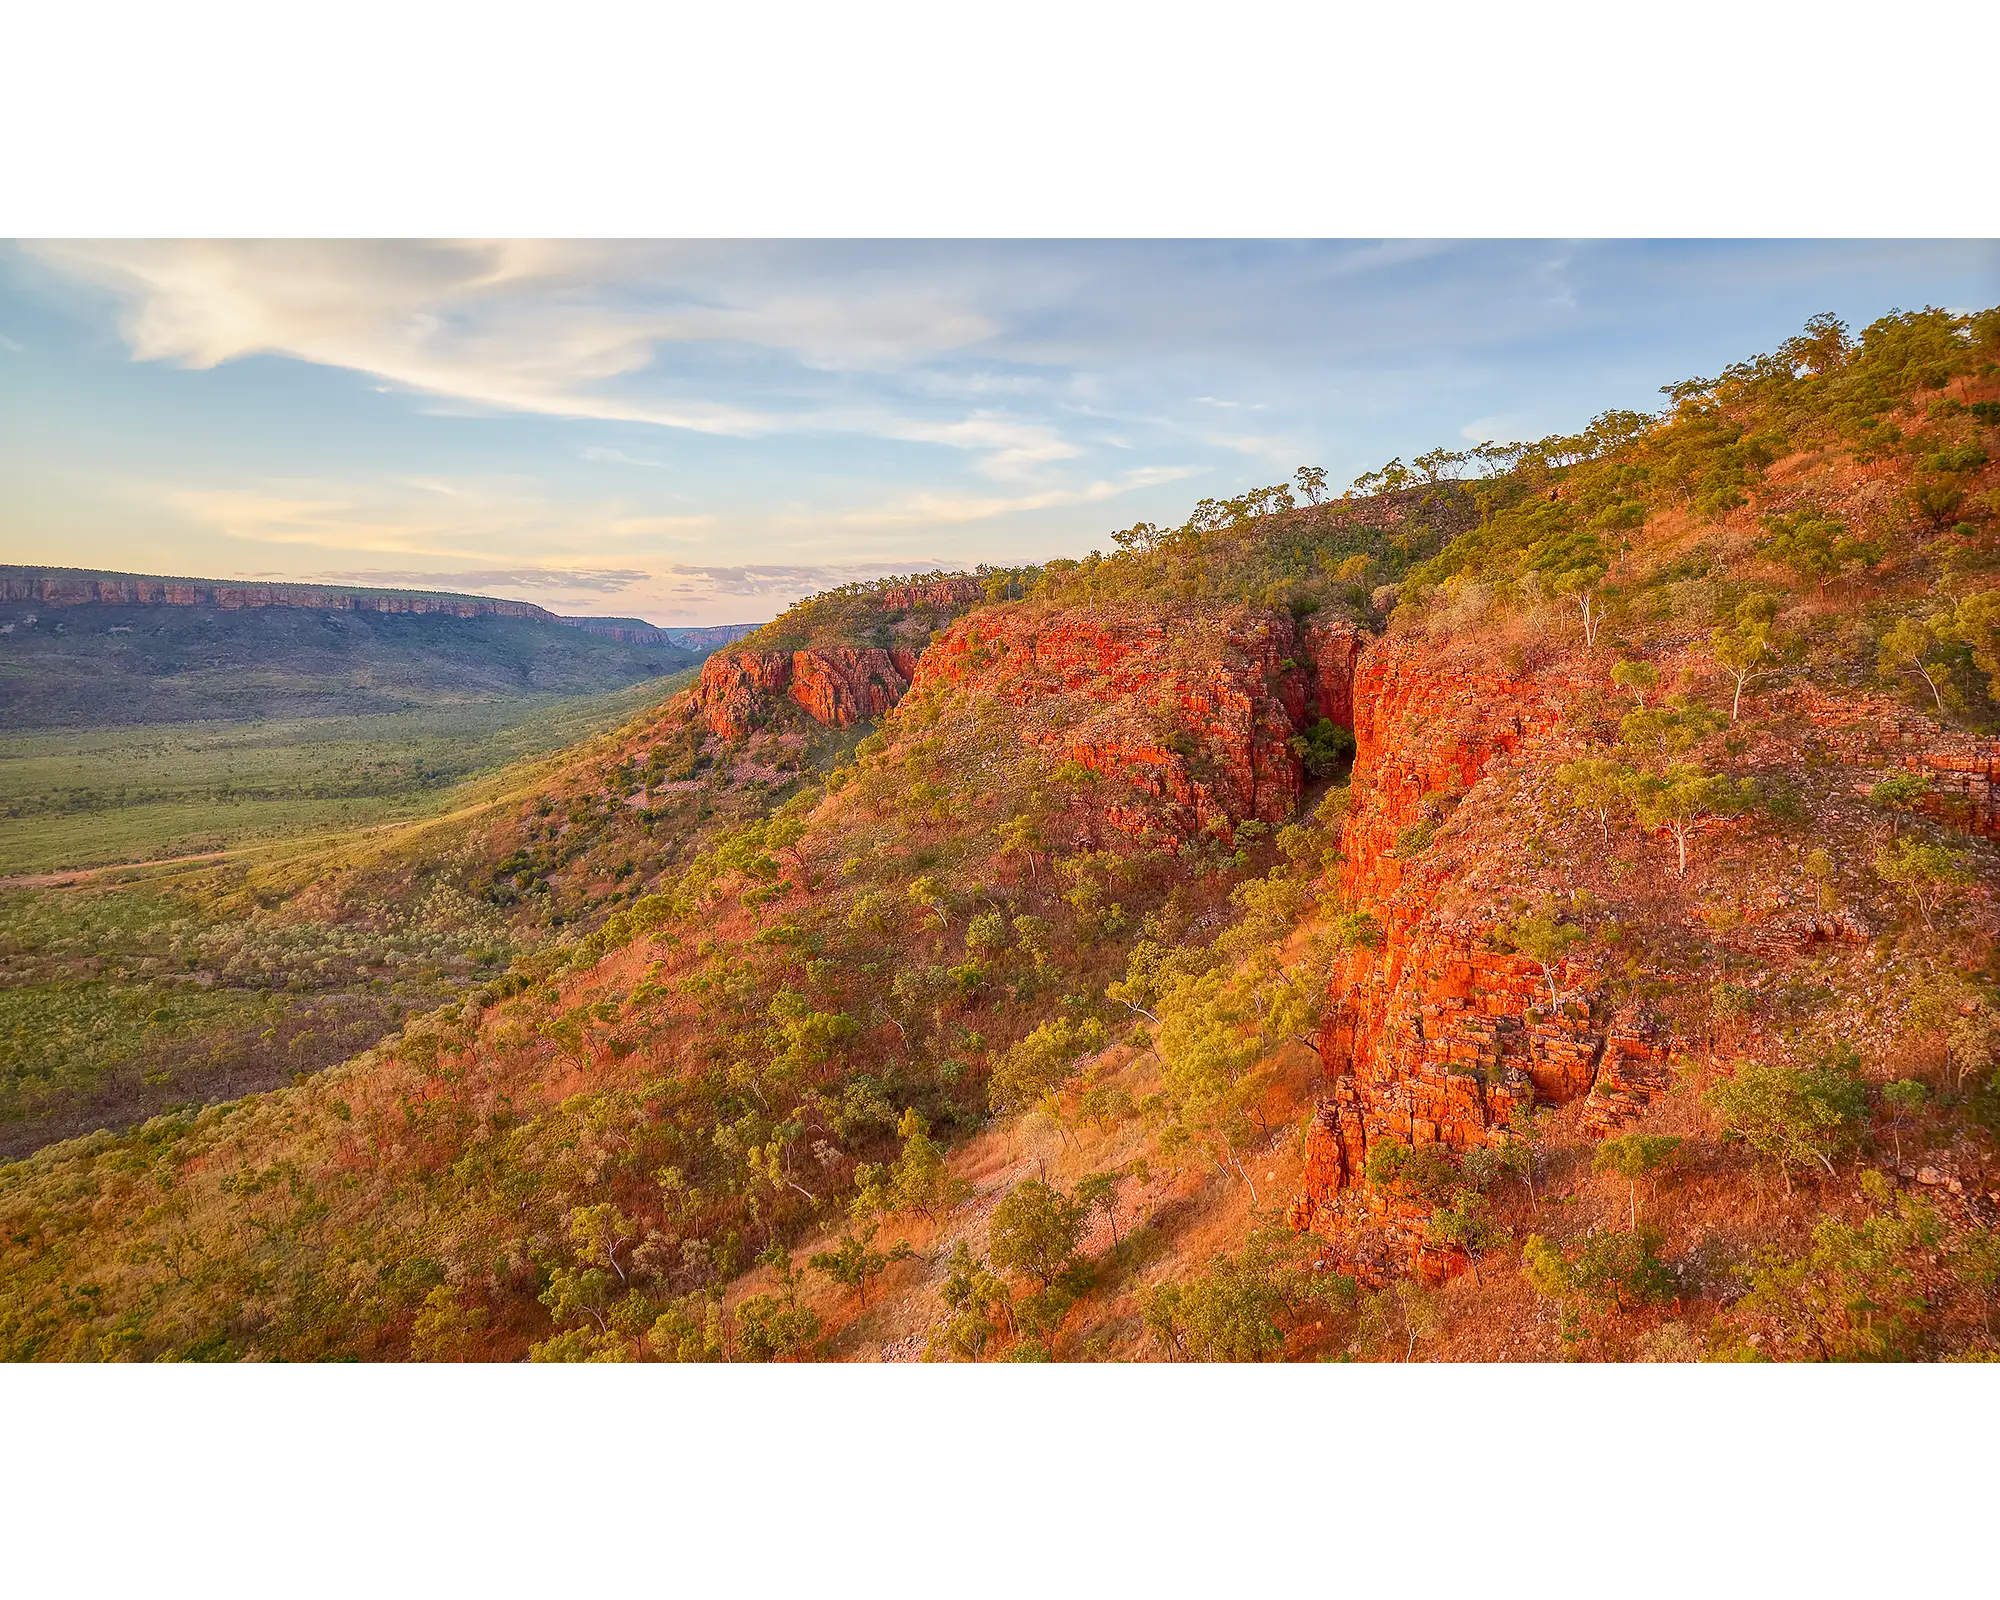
x=836, y=688
x=1195, y=740
x=1878, y=732
x=1434, y=1035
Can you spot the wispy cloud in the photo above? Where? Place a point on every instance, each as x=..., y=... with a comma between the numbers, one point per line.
x=598, y=581
x=790, y=581
x=546, y=327
x=960, y=508
x=607, y=454
x=480, y=522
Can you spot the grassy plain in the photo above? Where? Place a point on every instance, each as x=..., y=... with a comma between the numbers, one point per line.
x=88, y=799
x=149, y=985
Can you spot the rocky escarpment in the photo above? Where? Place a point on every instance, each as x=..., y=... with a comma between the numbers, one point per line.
x=837, y=688
x=934, y=594
x=718, y=637
x=1195, y=731
x=837, y=685
x=1435, y=1031
x=631, y=630
x=1196, y=736
x=1431, y=1034
x=48, y=588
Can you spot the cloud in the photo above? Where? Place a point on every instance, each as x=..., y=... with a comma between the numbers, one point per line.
x=828, y=402
x=497, y=522
x=754, y=341
x=1013, y=445
x=274, y=517
x=686, y=529
x=539, y=326
x=597, y=580
x=798, y=580
x=939, y=507
x=608, y=455
x=1263, y=447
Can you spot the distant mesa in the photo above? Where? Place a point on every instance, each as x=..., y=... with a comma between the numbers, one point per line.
x=57, y=586
x=67, y=586
x=631, y=630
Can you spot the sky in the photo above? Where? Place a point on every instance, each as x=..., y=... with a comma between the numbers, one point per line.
x=704, y=432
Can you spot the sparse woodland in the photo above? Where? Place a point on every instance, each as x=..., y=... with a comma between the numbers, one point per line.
x=1538, y=904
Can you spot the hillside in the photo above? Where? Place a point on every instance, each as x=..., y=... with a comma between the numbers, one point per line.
x=1538, y=905
x=93, y=650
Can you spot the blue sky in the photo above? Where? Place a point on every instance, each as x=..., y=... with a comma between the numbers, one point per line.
x=704, y=432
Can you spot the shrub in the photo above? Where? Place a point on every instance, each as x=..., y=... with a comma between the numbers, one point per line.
x=1925, y=873
x=1547, y=943
x=1035, y=1231
x=1045, y=1060
x=1795, y=1116
x=1357, y=930
x=1416, y=839
x=1634, y=1156
x=1854, y=1294
x=1238, y=1306
x=1324, y=747
x=974, y=1300
x=1606, y=1271
x=1425, y=1173
x=857, y=1261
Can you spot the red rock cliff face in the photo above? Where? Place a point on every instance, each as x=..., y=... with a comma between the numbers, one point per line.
x=1196, y=734
x=1436, y=1036
x=837, y=688
x=939, y=594
x=1192, y=717
x=1332, y=650
x=1433, y=1036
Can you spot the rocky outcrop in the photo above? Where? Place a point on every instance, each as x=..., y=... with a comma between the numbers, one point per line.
x=1438, y=1033
x=82, y=588
x=936, y=594
x=837, y=688
x=1879, y=732
x=835, y=685
x=719, y=637
x=1195, y=738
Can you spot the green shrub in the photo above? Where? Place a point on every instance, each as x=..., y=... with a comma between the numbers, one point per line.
x=1794, y=1116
